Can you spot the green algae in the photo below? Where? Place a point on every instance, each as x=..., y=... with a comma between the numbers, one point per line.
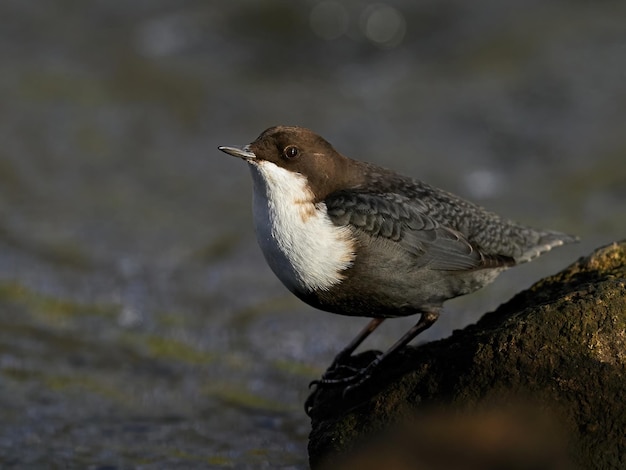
x=48, y=306
x=170, y=349
x=85, y=383
x=241, y=398
x=214, y=460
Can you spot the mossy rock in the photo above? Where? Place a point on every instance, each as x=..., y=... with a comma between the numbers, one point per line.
x=540, y=383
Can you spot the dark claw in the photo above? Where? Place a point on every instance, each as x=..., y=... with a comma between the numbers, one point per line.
x=341, y=367
x=351, y=382
x=334, y=370
x=308, y=403
x=365, y=377
x=346, y=367
x=338, y=381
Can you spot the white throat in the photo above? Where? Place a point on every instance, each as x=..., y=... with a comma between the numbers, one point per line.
x=300, y=243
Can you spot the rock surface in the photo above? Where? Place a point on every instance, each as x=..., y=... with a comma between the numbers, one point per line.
x=538, y=383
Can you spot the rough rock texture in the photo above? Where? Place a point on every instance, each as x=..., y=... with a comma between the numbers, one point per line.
x=538, y=383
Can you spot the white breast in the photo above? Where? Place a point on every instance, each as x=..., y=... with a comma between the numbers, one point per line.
x=300, y=243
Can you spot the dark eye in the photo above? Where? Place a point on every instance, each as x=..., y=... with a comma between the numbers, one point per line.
x=291, y=152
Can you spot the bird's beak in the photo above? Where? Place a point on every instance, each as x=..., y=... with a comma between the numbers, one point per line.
x=244, y=152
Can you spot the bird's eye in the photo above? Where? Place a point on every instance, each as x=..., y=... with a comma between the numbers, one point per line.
x=291, y=152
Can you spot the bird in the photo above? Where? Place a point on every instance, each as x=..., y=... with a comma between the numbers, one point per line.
x=353, y=238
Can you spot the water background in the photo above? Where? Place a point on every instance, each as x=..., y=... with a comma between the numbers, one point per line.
x=139, y=324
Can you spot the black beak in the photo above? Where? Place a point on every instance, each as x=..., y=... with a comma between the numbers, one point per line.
x=244, y=152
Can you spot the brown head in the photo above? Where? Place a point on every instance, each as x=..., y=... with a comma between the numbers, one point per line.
x=303, y=152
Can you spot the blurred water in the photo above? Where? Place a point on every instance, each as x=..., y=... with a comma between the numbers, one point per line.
x=140, y=326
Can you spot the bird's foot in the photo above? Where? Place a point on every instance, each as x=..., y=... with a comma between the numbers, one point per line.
x=335, y=376
x=339, y=373
x=352, y=381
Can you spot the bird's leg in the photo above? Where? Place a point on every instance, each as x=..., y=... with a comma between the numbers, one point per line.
x=355, y=343
x=425, y=322
x=349, y=349
x=361, y=375
x=343, y=354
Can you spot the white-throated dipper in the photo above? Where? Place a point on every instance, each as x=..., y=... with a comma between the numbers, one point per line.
x=353, y=238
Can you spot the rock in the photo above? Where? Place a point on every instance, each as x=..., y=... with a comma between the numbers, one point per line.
x=539, y=383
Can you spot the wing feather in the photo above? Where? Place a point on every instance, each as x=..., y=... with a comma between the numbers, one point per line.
x=406, y=221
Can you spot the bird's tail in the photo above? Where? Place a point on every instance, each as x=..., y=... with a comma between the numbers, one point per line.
x=542, y=241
